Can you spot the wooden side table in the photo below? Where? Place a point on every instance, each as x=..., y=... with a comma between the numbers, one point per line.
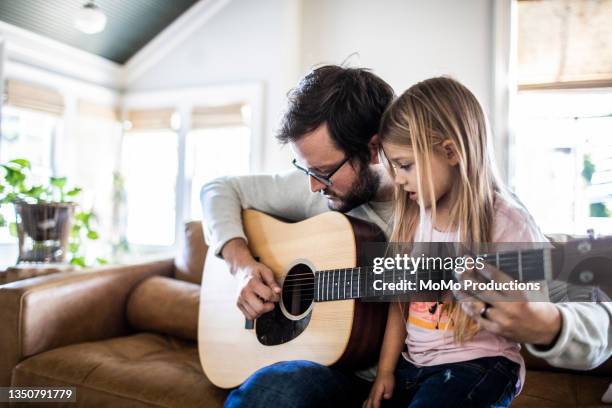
x=25, y=271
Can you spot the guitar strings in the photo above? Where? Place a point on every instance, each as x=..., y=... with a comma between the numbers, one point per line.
x=367, y=268
x=524, y=264
x=292, y=282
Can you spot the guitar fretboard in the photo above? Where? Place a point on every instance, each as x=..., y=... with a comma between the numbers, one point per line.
x=356, y=283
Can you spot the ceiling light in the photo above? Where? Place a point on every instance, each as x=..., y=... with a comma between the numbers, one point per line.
x=90, y=19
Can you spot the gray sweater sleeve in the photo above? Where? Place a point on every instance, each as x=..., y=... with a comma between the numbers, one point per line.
x=285, y=195
x=586, y=329
x=585, y=339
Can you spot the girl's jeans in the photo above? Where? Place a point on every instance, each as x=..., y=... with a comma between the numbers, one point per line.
x=484, y=382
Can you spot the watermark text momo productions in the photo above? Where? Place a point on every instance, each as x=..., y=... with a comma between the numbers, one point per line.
x=407, y=273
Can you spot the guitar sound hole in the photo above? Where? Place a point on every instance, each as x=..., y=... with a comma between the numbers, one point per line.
x=298, y=291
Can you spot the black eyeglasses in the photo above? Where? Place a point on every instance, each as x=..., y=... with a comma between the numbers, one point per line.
x=325, y=179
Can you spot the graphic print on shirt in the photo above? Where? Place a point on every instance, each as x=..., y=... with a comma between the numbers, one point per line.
x=429, y=315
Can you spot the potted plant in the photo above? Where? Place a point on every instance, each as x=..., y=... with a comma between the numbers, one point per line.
x=47, y=224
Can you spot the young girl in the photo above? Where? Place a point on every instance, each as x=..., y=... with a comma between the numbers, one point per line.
x=435, y=139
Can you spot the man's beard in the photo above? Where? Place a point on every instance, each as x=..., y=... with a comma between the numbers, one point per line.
x=363, y=191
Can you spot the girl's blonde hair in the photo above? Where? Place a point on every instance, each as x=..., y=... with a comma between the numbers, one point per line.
x=425, y=116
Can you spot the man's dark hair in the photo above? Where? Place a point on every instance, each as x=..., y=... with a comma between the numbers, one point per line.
x=350, y=101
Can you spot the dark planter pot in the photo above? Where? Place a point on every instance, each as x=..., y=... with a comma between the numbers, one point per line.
x=43, y=230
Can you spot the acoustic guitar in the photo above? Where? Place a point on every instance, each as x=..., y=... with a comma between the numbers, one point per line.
x=325, y=275
x=302, y=325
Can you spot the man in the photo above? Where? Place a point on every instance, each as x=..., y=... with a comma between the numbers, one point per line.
x=331, y=127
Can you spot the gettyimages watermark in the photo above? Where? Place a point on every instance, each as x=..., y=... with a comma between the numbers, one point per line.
x=575, y=271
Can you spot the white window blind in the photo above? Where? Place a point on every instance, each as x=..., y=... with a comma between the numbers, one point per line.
x=150, y=119
x=564, y=44
x=217, y=116
x=93, y=110
x=30, y=96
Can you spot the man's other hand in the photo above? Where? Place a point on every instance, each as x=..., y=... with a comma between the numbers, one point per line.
x=258, y=290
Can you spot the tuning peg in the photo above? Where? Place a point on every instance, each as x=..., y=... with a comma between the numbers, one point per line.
x=591, y=233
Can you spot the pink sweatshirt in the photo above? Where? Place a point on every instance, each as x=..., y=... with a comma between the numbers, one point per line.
x=428, y=345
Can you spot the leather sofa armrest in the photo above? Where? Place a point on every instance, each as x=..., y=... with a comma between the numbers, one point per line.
x=165, y=305
x=56, y=310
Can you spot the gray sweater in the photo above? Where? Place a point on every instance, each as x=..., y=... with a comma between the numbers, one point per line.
x=584, y=341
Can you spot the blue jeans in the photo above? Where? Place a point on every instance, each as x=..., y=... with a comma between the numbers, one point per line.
x=484, y=382
x=299, y=384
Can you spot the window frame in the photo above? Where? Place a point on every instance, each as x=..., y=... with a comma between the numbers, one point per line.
x=9, y=250
x=505, y=89
x=183, y=101
x=71, y=88
x=594, y=223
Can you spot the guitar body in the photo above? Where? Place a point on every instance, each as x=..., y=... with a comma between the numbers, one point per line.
x=347, y=332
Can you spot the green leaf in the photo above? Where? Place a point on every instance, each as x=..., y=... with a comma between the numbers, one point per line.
x=2, y=221
x=83, y=217
x=79, y=261
x=23, y=163
x=599, y=210
x=35, y=192
x=102, y=261
x=93, y=235
x=75, y=231
x=9, y=198
x=73, y=247
x=14, y=177
x=59, y=182
x=13, y=229
x=588, y=168
x=75, y=191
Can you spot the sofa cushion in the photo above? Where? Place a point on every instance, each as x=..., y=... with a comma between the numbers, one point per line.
x=165, y=305
x=189, y=264
x=133, y=371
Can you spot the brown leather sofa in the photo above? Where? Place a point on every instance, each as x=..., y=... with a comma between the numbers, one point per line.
x=126, y=337
x=123, y=336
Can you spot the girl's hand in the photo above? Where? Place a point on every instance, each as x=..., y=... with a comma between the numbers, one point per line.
x=382, y=388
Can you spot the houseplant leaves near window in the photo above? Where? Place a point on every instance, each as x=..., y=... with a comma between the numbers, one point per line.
x=48, y=226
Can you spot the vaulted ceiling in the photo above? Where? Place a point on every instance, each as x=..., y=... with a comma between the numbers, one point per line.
x=131, y=24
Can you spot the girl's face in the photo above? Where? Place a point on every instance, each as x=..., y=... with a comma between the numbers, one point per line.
x=443, y=165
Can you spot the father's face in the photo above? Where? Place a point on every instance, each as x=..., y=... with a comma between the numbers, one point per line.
x=352, y=185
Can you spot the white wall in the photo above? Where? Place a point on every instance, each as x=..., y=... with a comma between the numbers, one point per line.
x=274, y=42
x=403, y=41
x=28, y=49
x=277, y=41
x=246, y=41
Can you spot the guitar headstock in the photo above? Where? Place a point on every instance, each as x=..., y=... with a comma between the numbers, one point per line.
x=584, y=262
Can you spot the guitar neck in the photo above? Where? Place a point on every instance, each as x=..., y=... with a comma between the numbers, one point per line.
x=362, y=282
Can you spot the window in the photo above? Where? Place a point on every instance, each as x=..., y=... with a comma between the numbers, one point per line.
x=217, y=143
x=212, y=153
x=563, y=159
x=149, y=166
x=564, y=44
x=561, y=151
x=90, y=158
x=155, y=192
x=31, y=135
